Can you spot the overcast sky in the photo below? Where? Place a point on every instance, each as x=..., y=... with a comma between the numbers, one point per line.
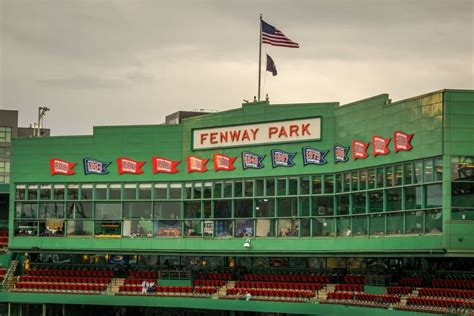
x=133, y=62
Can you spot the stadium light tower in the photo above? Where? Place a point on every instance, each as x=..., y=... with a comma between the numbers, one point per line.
x=41, y=113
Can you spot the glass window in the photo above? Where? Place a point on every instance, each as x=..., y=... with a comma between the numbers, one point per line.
x=45, y=192
x=248, y=188
x=51, y=210
x=323, y=205
x=110, y=211
x=80, y=228
x=108, y=228
x=115, y=192
x=397, y=172
x=259, y=187
x=137, y=210
x=228, y=189
x=394, y=199
x=305, y=206
x=339, y=182
x=414, y=222
x=355, y=180
x=188, y=191
x=20, y=192
x=328, y=183
x=243, y=208
x=434, y=196
x=101, y=192
x=175, y=191
x=192, y=209
x=198, y=191
x=347, y=181
x=317, y=184
x=305, y=227
x=288, y=227
x=168, y=228
x=342, y=202
x=144, y=191
x=418, y=171
x=265, y=207
x=389, y=176
x=26, y=228
x=304, y=185
x=130, y=191
x=376, y=201
x=377, y=224
x=462, y=168
x=434, y=222
x=359, y=225
x=462, y=194
x=238, y=188
x=193, y=228
x=363, y=179
x=86, y=191
x=380, y=177
x=282, y=186
x=26, y=210
x=207, y=207
x=371, y=178
x=32, y=192
x=161, y=191
x=358, y=203
x=270, y=187
x=244, y=228
x=72, y=192
x=293, y=186
x=287, y=207
x=223, y=209
x=324, y=227
x=395, y=224
x=438, y=168
x=265, y=228
x=5, y=134
x=413, y=198
x=344, y=226
x=79, y=209
x=207, y=190
x=137, y=228
x=217, y=190
x=168, y=210
x=51, y=228
x=408, y=173
x=58, y=192
x=208, y=228
x=428, y=170
x=223, y=228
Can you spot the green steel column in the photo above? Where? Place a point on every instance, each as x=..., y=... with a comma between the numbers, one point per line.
x=9, y=309
x=44, y=310
x=446, y=201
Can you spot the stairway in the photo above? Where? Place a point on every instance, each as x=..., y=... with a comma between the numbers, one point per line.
x=114, y=286
x=10, y=279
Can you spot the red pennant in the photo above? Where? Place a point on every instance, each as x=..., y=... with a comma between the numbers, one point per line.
x=129, y=166
x=359, y=150
x=163, y=165
x=380, y=145
x=59, y=166
x=223, y=162
x=401, y=141
x=196, y=164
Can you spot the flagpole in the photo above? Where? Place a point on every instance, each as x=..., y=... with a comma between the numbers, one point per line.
x=260, y=57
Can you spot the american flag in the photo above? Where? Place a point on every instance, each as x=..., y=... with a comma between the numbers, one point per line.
x=273, y=36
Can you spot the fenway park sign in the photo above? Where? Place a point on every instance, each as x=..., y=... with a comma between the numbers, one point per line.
x=257, y=134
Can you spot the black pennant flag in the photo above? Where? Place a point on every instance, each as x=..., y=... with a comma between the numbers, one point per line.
x=271, y=66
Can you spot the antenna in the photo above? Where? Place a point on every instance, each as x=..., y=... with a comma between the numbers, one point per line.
x=41, y=113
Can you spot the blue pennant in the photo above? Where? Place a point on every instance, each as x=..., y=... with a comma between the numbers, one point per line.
x=340, y=153
x=252, y=161
x=281, y=158
x=314, y=156
x=93, y=166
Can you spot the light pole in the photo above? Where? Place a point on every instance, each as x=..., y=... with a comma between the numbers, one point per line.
x=41, y=113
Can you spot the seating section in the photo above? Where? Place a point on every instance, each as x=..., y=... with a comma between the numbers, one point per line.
x=299, y=278
x=144, y=275
x=70, y=272
x=354, y=279
x=135, y=289
x=434, y=292
x=410, y=282
x=453, y=284
x=434, y=303
x=278, y=285
x=399, y=290
x=209, y=283
x=269, y=294
x=62, y=284
x=3, y=240
x=349, y=288
x=215, y=276
x=356, y=298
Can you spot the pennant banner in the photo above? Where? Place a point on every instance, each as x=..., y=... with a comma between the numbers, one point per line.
x=359, y=150
x=314, y=156
x=401, y=141
x=252, y=161
x=196, y=164
x=223, y=162
x=93, y=166
x=59, y=166
x=163, y=165
x=380, y=145
x=340, y=153
x=129, y=166
x=282, y=158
